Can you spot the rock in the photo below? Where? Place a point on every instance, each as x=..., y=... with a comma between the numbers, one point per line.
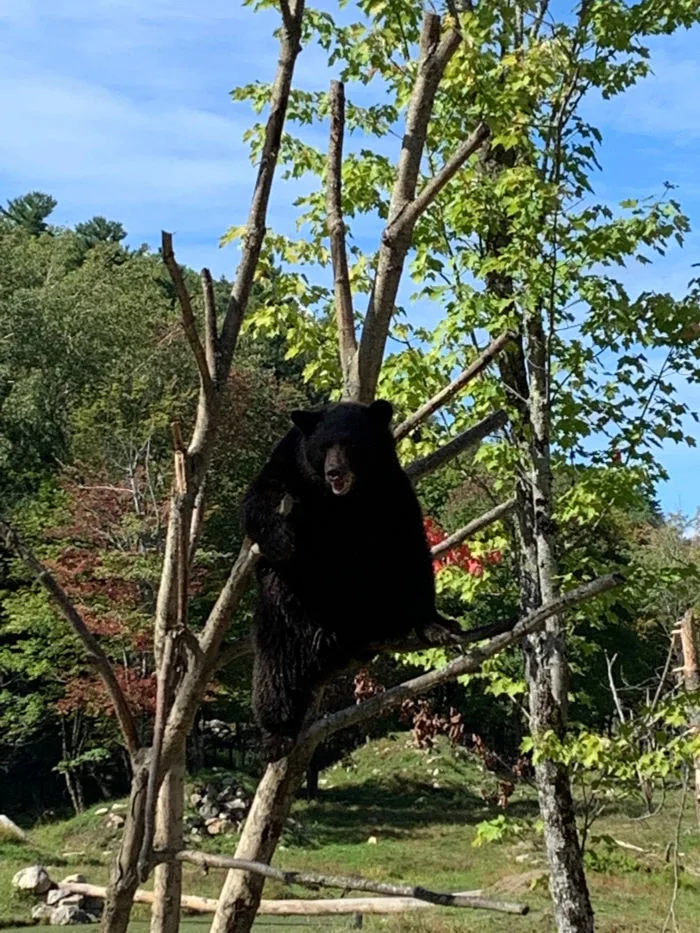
x=238, y=805
x=101, y=811
x=372, y=841
x=42, y=912
x=75, y=899
x=72, y=855
x=54, y=897
x=217, y=827
x=68, y=914
x=118, y=806
x=35, y=880
x=75, y=879
x=195, y=799
x=11, y=829
x=114, y=821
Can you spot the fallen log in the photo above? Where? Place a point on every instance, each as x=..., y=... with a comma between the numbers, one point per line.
x=295, y=907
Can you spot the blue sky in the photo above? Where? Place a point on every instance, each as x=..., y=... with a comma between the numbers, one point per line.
x=122, y=108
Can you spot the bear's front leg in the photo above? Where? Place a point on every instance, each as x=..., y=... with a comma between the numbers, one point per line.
x=265, y=521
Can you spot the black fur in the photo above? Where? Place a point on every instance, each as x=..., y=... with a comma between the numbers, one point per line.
x=339, y=572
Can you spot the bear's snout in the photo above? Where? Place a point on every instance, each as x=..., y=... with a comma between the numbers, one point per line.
x=337, y=471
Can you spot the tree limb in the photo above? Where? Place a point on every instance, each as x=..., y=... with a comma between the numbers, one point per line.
x=92, y=647
x=346, y=883
x=197, y=676
x=188, y=321
x=435, y=55
x=464, y=441
x=292, y=14
x=211, y=339
x=467, y=664
x=488, y=518
x=449, y=391
x=432, y=188
x=347, y=340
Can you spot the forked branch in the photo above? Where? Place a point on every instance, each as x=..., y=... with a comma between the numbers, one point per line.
x=92, y=647
x=432, y=188
x=435, y=54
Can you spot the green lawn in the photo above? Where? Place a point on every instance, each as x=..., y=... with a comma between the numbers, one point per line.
x=422, y=809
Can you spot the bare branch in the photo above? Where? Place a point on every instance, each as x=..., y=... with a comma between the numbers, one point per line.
x=464, y=441
x=435, y=55
x=198, y=675
x=197, y=520
x=488, y=518
x=292, y=14
x=346, y=883
x=162, y=705
x=92, y=647
x=188, y=321
x=467, y=664
x=432, y=188
x=347, y=341
x=211, y=339
x=448, y=393
x=610, y=663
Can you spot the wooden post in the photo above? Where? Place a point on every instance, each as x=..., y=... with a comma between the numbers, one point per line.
x=691, y=680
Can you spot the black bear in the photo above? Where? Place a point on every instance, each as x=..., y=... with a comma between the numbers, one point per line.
x=344, y=567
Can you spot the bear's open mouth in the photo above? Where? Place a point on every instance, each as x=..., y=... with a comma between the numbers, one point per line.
x=340, y=485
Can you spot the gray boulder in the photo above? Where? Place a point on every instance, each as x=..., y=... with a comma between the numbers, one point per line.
x=42, y=913
x=67, y=914
x=34, y=880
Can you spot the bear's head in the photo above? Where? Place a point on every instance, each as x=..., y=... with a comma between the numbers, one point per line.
x=347, y=444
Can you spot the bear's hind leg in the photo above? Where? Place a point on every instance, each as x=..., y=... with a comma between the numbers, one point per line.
x=292, y=659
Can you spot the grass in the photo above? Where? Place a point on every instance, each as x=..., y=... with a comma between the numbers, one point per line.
x=421, y=811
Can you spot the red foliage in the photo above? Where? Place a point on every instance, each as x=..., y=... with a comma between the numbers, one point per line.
x=459, y=556
x=89, y=694
x=114, y=603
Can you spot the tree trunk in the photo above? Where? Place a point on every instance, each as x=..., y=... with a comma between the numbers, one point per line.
x=572, y=907
x=124, y=880
x=75, y=790
x=547, y=666
x=167, y=882
x=240, y=896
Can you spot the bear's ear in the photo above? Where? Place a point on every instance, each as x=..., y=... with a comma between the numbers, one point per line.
x=381, y=411
x=306, y=421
